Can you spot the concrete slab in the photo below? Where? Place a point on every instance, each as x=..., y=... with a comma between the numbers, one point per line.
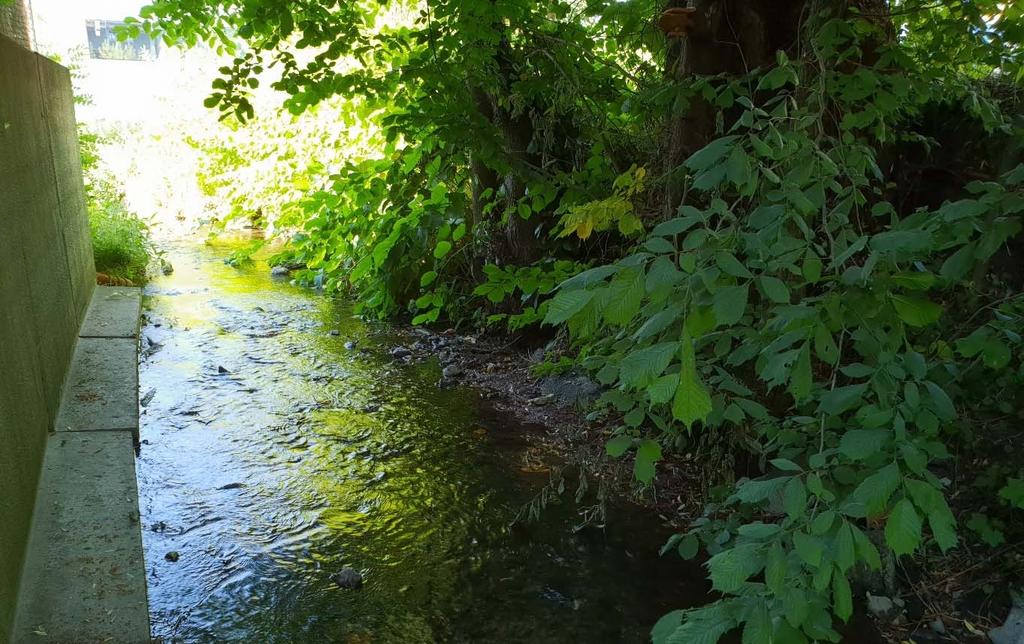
x=85, y=575
x=113, y=313
x=102, y=387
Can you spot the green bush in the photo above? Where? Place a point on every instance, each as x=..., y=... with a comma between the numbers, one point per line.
x=120, y=241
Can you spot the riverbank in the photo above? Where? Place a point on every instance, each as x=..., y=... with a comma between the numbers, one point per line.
x=959, y=597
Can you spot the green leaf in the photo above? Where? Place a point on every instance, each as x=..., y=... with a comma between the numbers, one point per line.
x=794, y=498
x=566, y=304
x=932, y=503
x=866, y=550
x=775, y=289
x=812, y=269
x=624, y=297
x=758, y=490
x=758, y=629
x=640, y=368
x=808, y=548
x=647, y=454
x=801, y=377
x=427, y=279
x=618, y=445
x=730, y=265
x=872, y=495
x=704, y=625
x=692, y=401
x=957, y=265
x=859, y=444
x=361, y=268
x=842, y=597
x=794, y=605
x=442, y=249
x=775, y=569
x=665, y=626
x=733, y=566
x=675, y=226
x=786, y=465
x=710, y=154
x=902, y=241
x=844, y=550
x=941, y=402
x=689, y=546
x=842, y=399
x=916, y=311
x=729, y=304
x=1013, y=492
x=903, y=528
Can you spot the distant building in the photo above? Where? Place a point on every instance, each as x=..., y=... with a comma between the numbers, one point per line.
x=104, y=43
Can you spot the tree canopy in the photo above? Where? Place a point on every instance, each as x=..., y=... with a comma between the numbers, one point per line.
x=784, y=227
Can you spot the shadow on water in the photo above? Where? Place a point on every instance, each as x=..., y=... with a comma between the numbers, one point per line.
x=273, y=456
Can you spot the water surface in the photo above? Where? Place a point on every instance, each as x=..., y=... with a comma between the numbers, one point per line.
x=273, y=456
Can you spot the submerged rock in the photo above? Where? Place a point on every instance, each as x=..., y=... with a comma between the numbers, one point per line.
x=1012, y=630
x=400, y=352
x=348, y=577
x=172, y=556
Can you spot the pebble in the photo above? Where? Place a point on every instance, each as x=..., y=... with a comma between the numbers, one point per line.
x=348, y=577
x=172, y=556
x=279, y=271
x=334, y=332
x=451, y=371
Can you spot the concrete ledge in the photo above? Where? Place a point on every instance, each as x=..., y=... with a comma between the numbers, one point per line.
x=102, y=387
x=113, y=313
x=84, y=578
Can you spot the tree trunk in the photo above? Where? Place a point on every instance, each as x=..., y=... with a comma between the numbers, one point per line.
x=729, y=37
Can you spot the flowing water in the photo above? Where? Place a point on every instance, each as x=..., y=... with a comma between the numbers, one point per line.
x=273, y=456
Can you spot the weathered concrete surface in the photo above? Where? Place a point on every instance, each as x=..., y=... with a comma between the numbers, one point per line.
x=113, y=313
x=84, y=578
x=102, y=390
x=46, y=280
x=87, y=578
x=16, y=22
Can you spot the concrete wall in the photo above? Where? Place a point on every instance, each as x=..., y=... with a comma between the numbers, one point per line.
x=46, y=281
x=16, y=22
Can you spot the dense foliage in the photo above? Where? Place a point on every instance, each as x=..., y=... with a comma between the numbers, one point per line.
x=791, y=234
x=121, y=243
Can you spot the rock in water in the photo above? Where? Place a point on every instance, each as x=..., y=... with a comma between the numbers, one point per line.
x=348, y=577
x=451, y=371
x=1012, y=630
x=280, y=271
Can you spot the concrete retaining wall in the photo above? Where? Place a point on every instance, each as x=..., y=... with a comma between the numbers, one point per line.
x=16, y=23
x=46, y=282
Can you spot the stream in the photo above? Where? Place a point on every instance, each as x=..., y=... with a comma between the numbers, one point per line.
x=281, y=443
